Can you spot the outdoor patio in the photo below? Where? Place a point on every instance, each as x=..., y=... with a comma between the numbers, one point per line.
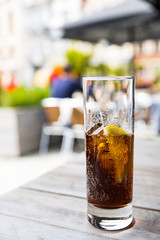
x=79, y=120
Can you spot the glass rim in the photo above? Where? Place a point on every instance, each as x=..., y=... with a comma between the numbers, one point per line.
x=109, y=78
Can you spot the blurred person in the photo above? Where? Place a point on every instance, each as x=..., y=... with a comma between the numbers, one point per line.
x=90, y=92
x=66, y=85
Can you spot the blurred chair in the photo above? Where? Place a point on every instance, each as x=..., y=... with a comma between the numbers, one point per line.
x=77, y=117
x=75, y=132
x=155, y=113
x=64, y=118
x=52, y=112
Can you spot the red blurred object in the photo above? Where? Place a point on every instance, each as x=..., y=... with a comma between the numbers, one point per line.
x=11, y=85
x=58, y=70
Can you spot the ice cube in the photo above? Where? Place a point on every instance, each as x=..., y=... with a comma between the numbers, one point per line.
x=98, y=130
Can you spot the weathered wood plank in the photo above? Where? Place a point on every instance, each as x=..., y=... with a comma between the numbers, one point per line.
x=147, y=154
x=70, y=180
x=147, y=189
x=12, y=228
x=61, y=213
x=70, y=212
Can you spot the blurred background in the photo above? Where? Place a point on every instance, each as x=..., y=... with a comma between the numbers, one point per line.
x=43, y=43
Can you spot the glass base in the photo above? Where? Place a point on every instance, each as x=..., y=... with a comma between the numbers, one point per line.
x=110, y=219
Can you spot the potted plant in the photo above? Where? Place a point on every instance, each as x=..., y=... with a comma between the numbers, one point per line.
x=20, y=120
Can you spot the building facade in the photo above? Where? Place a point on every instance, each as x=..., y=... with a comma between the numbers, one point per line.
x=10, y=38
x=25, y=40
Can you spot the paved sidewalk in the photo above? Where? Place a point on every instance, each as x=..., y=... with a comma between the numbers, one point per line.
x=16, y=171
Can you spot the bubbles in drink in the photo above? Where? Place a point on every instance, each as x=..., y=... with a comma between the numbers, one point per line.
x=109, y=166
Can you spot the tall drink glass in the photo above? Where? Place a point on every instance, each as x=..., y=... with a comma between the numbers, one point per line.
x=109, y=129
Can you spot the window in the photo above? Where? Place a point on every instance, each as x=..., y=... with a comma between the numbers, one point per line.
x=12, y=52
x=1, y=52
x=10, y=23
x=0, y=28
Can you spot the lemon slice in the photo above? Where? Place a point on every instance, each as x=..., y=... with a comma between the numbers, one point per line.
x=114, y=131
x=118, y=150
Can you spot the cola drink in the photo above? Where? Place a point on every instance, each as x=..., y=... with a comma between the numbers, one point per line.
x=109, y=168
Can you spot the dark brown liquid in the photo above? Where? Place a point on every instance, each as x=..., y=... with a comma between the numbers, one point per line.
x=109, y=168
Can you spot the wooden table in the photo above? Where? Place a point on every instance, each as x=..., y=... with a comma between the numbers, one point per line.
x=54, y=205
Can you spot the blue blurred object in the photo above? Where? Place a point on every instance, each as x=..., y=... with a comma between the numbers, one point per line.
x=65, y=88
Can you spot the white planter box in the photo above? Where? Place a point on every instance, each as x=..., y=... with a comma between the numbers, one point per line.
x=20, y=130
